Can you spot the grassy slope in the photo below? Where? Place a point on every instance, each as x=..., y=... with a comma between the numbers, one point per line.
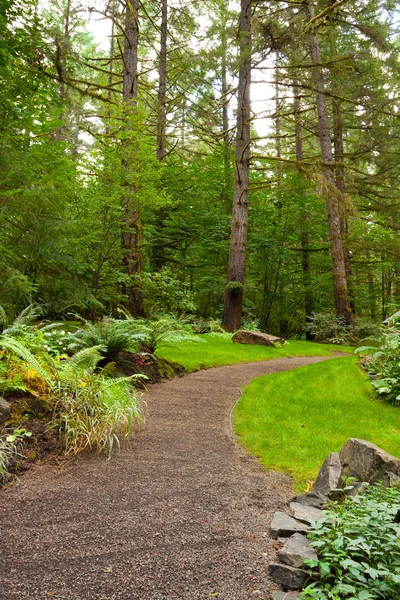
x=216, y=350
x=293, y=420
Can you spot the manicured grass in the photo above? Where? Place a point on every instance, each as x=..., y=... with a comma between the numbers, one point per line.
x=216, y=350
x=293, y=420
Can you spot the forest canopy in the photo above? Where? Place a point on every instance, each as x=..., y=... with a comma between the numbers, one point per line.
x=145, y=172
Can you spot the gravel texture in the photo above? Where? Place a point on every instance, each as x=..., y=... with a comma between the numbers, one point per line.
x=182, y=512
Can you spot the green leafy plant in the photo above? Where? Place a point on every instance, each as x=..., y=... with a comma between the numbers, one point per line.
x=110, y=336
x=9, y=450
x=327, y=327
x=23, y=323
x=383, y=365
x=358, y=546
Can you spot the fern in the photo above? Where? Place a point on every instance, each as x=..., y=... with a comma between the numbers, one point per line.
x=32, y=362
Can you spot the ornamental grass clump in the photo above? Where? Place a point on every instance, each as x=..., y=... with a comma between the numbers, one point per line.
x=358, y=546
x=94, y=411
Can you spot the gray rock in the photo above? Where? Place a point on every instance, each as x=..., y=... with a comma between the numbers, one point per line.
x=305, y=513
x=295, y=550
x=256, y=337
x=5, y=410
x=367, y=462
x=315, y=499
x=284, y=526
x=329, y=475
x=285, y=596
x=288, y=577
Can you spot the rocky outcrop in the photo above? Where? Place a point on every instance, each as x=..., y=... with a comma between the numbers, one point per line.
x=329, y=476
x=288, y=577
x=306, y=514
x=359, y=459
x=313, y=498
x=284, y=526
x=5, y=410
x=369, y=463
x=295, y=551
x=256, y=337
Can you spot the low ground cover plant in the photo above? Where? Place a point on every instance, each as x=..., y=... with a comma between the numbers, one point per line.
x=358, y=546
x=383, y=365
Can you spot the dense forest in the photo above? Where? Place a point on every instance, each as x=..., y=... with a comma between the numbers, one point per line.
x=142, y=173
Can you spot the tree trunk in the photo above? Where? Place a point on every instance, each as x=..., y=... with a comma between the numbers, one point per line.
x=131, y=222
x=225, y=115
x=162, y=84
x=341, y=185
x=328, y=184
x=304, y=229
x=237, y=254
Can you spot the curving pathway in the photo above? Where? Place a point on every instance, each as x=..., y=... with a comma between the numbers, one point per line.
x=180, y=513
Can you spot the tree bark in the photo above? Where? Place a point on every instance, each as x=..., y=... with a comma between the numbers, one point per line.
x=162, y=84
x=304, y=229
x=237, y=255
x=328, y=184
x=341, y=185
x=131, y=227
x=225, y=115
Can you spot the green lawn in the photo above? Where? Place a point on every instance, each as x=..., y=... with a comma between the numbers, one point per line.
x=216, y=350
x=293, y=420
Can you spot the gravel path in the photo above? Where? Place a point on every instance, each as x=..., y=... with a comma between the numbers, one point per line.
x=180, y=513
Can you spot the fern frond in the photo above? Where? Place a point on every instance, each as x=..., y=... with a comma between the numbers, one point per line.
x=3, y=316
x=32, y=362
x=29, y=314
x=87, y=358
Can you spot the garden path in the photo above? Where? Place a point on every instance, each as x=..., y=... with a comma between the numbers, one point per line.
x=182, y=512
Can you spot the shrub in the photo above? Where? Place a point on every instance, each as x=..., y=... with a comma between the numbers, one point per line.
x=162, y=291
x=327, y=327
x=383, y=364
x=358, y=546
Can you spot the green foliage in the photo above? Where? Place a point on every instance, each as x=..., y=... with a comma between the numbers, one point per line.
x=92, y=410
x=9, y=450
x=358, y=546
x=383, y=364
x=110, y=336
x=326, y=327
x=164, y=293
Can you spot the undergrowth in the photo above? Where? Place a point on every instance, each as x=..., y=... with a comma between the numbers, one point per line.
x=358, y=546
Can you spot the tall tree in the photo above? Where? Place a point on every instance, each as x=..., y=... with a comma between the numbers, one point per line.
x=131, y=215
x=328, y=183
x=237, y=253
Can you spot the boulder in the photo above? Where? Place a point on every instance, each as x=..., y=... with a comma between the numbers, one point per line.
x=256, y=337
x=367, y=462
x=314, y=499
x=305, y=513
x=329, y=475
x=288, y=577
x=5, y=410
x=295, y=550
x=285, y=596
x=284, y=526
